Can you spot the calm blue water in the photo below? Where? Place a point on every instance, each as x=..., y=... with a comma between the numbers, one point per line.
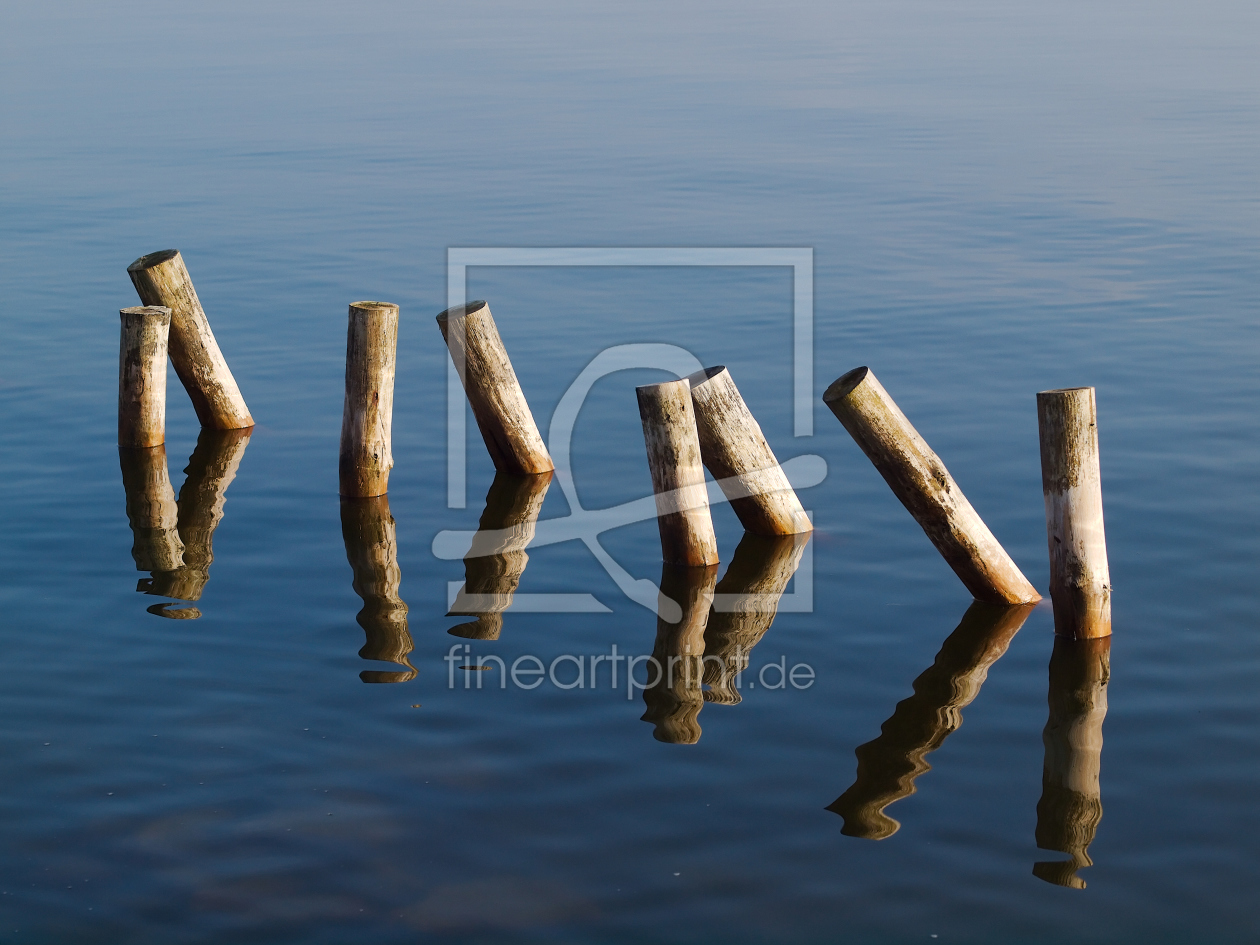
x=1000, y=199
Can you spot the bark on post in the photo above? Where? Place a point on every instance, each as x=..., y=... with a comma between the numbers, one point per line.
x=889, y=765
x=920, y=480
x=495, y=562
x=1071, y=800
x=675, y=695
x=736, y=453
x=494, y=393
x=151, y=509
x=673, y=452
x=372, y=550
x=367, y=416
x=1080, y=582
x=142, y=375
x=161, y=279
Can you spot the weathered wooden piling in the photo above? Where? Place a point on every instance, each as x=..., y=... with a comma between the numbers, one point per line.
x=367, y=416
x=151, y=509
x=920, y=480
x=1070, y=808
x=495, y=562
x=1080, y=581
x=162, y=279
x=889, y=765
x=142, y=375
x=673, y=452
x=676, y=696
x=735, y=451
x=494, y=393
x=371, y=539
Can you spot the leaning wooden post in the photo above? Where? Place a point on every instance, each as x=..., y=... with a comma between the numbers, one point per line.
x=735, y=451
x=367, y=417
x=920, y=480
x=142, y=375
x=1080, y=582
x=161, y=279
x=673, y=451
x=494, y=393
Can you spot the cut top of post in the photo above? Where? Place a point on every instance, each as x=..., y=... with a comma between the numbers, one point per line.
x=153, y=259
x=462, y=311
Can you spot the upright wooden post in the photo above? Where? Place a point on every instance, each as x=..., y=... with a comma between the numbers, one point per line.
x=735, y=451
x=676, y=695
x=371, y=542
x=673, y=452
x=920, y=480
x=161, y=279
x=1080, y=581
x=367, y=417
x=142, y=375
x=494, y=393
x=151, y=509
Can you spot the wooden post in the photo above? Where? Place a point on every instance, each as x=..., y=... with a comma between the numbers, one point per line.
x=1071, y=800
x=161, y=279
x=372, y=550
x=367, y=417
x=495, y=562
x=889, y=765
x=151, y=509
x=142, y=375
x=920, y=480
x=1080, y=581
x=745, y=602
x=737, y=454
x=675, y=698
x=494, y=393
x=673, y=452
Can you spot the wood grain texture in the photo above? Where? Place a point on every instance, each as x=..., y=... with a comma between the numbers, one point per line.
x=142, y=375
x=1070, y=808
x=889, y=765
x=495, y=562
x=920, y=480
x=673, y=453
x=367, y=416
x=151, y=509
x=162, y=279
x=735, y=451
x=1080, y=580
x=371, y=540
x=676, y=697
x=495, y=395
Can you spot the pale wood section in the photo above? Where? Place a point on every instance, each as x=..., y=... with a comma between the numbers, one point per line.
x=676, y=697
x=142, y=375
x=673, y=453
x=162, y=279
x=1070, y=808
x=371, y=540
x=889, y=765
x=368, y=412
x=735, y=451
x=494, y=393
x=1080, y=581
x=745, y=602
x=211, y=469
x=495, y=562
x=151, y=509
x=920, y=480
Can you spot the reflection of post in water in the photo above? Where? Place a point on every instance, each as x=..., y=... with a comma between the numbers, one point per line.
x=745, y=602
x=151, y=509
x=211, y=469
x=1071, y=802
x=888, y=766
x=675, y=698
x=495, y=562
x=372, y=549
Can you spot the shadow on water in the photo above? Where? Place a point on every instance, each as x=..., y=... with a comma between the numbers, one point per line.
x=494, y=564
x=1071, y=801
x=372, y=549
x=889, y=765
